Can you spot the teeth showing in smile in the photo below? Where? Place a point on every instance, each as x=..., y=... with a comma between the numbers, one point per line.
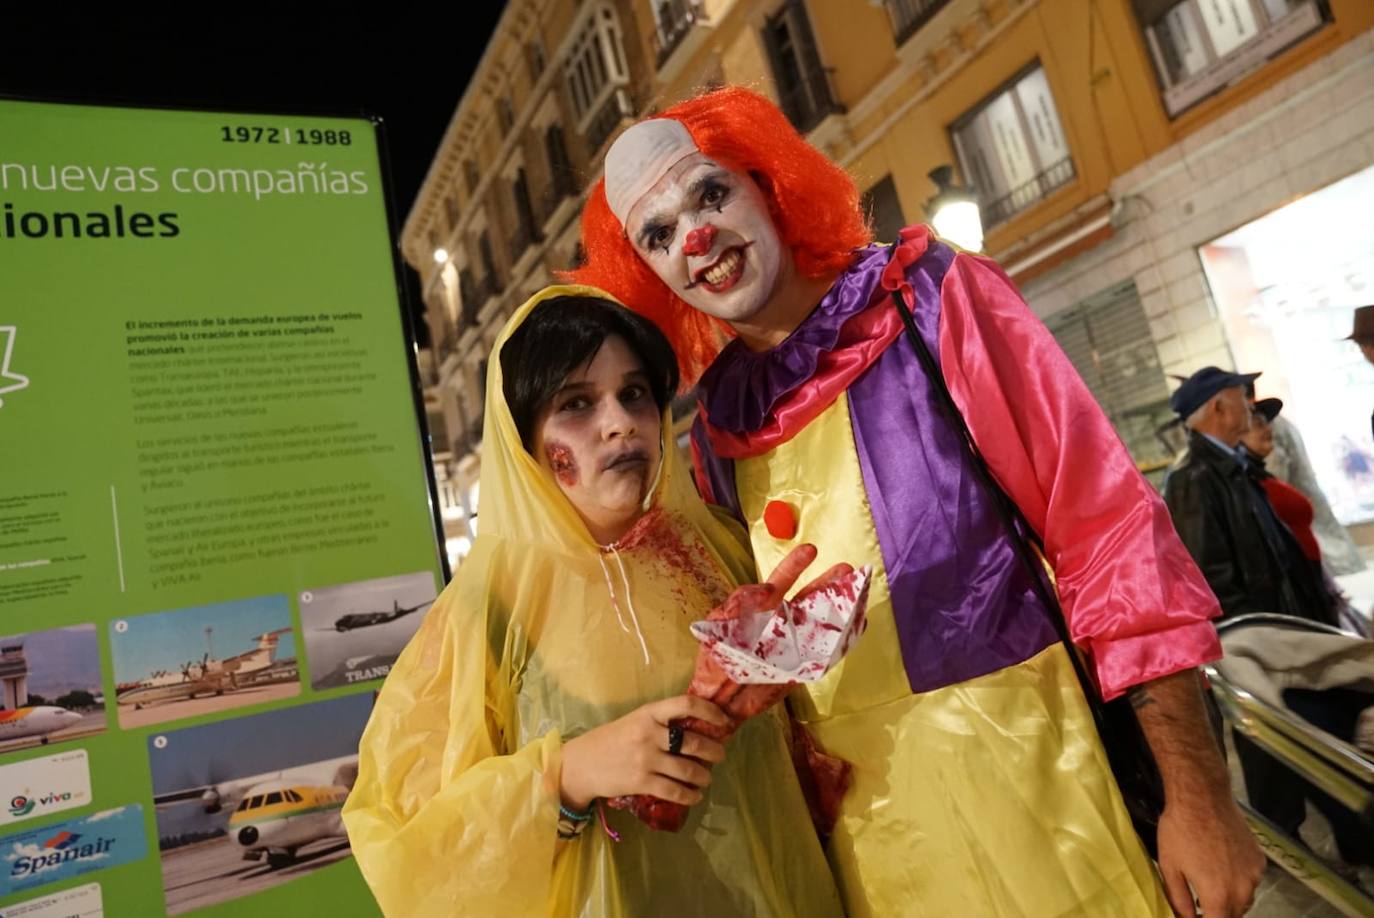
x=722, y=269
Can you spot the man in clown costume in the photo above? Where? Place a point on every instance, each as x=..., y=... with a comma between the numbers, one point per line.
x=980, y=786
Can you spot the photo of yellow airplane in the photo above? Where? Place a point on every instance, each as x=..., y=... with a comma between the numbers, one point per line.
x=246, y=803
x=275, y=819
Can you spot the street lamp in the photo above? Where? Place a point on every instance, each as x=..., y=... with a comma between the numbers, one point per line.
x=954, y=211
x=441, y=255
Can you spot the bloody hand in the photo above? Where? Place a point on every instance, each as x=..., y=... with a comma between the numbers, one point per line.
x=709, y=681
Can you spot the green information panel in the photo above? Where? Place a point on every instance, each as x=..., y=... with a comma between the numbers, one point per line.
x=217, y=529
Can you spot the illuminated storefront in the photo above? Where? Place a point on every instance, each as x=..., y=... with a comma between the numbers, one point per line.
x=1285, y=286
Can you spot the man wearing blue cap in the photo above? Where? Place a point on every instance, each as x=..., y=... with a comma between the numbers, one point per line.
x=1250, y=558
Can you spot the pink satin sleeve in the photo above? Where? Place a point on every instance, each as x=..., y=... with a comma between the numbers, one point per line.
x=1135, y=600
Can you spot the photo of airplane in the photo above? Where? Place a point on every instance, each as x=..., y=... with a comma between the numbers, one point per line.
x=50, y=687
x=367, y=619
x=167, y=666
x=207, y=676
x=275, y=820
x=41, y=722
x=246, y=803
x=355, y=631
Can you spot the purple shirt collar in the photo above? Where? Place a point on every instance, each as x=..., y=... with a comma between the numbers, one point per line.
x=741, y=387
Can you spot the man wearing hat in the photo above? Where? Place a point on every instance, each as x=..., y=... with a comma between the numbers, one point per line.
x=1250, y=558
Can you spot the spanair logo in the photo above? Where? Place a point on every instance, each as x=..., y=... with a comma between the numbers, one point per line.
x=59, y=850
x=21, y=805
x=62, y=840
x=46, y=855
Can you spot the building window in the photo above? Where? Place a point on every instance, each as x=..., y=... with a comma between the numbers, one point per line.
x=535, y=59
x=526, y=232
x=451, y=211
x=505, y=111
x=883, y=210
x=562, y=181
x=491, y=283
x=1107, y=339
x=1012, y=147
x=471, y=176
x=674, y=19
x=467, y=294
x=803, y=85
x=596, y=63
x=1202, y=46
x=909, y=15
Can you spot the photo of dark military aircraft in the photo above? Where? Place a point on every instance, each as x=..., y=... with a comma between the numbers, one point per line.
x=354, y=631
x=367, y=619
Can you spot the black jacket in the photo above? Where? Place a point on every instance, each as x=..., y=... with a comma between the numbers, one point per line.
x=1249, y=557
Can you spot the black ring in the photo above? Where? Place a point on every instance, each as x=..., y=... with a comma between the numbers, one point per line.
x=675, y=737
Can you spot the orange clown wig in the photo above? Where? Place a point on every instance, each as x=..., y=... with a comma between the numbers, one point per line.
x=814, y=204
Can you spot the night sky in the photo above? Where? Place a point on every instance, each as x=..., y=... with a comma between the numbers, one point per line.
x=410, y=70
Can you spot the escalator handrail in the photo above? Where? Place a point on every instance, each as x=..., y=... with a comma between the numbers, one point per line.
x=1356, y=764
x=1278, y=620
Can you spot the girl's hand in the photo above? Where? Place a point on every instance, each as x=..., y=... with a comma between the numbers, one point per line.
x=630, y=756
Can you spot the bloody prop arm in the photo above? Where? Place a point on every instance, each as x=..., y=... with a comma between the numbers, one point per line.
x=740, y=702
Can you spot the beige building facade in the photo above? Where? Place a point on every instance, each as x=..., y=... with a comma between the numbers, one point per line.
x=1112, y=144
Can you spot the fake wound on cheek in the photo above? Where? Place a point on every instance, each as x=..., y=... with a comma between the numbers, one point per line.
x=561, y=460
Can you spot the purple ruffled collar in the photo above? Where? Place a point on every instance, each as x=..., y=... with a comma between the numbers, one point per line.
x=741, y=387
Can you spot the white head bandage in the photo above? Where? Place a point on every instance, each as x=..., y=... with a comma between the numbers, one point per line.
x=640, y=157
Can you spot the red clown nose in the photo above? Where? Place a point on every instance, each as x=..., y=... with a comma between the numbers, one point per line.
x=699, y=240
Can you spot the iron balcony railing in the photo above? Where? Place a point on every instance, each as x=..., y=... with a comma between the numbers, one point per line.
x=909, y=15
x=675, y=20
x=1002, y=209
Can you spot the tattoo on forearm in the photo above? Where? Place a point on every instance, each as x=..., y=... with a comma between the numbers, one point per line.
x=1140, y=698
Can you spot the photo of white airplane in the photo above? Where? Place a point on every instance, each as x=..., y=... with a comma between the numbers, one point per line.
x=50, y=687
x=41, y=721
x=207, y=676
x=171, y=665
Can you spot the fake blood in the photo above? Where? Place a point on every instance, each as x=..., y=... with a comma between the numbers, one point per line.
x=562, y=462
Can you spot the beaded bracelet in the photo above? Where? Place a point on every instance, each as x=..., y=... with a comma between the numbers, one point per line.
x=571, y=822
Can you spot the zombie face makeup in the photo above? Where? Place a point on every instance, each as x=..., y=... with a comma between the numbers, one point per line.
x=599, y=439
x=705, y=230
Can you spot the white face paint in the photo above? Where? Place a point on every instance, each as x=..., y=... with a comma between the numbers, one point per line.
x=706, y=232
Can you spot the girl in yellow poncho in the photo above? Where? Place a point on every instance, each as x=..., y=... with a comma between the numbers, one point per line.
x=547, y=672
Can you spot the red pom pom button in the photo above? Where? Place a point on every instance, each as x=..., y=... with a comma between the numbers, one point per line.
x=780, y=520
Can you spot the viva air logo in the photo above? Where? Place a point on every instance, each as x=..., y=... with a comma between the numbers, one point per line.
x=21, y=805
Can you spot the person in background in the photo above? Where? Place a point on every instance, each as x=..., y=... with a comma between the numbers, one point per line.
x=1290, y=504
x=1289, y=463
x=1251, y=560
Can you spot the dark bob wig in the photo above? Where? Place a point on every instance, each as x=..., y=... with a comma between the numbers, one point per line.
x=564, y=333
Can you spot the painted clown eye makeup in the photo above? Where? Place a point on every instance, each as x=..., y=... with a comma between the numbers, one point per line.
x=714, y=194
x=708, y=192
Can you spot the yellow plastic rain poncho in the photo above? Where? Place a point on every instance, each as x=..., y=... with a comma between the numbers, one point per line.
x=456, y=804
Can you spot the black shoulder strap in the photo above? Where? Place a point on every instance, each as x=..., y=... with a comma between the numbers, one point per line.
x=1018, y=530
